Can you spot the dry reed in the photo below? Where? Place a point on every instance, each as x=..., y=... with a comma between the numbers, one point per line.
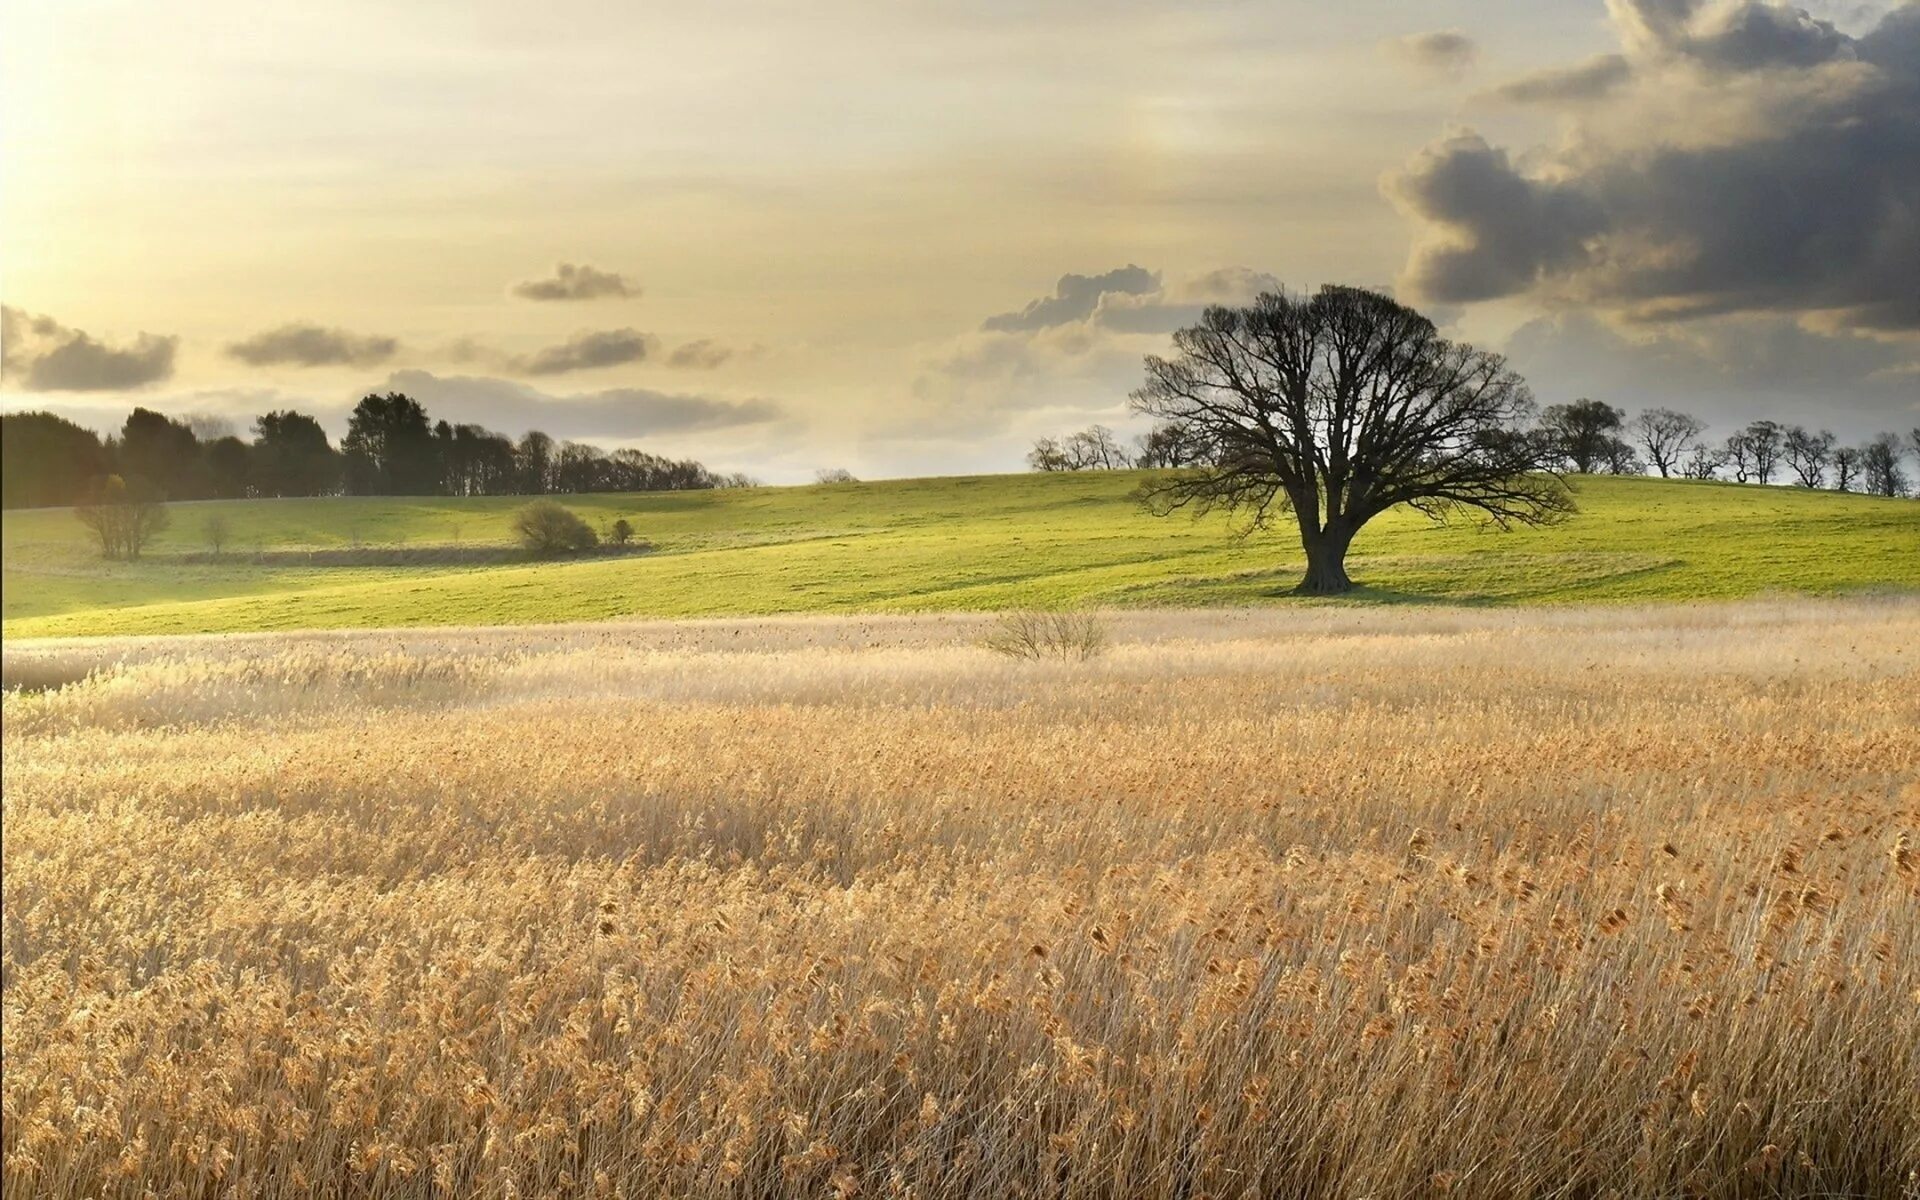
x=1328, y=903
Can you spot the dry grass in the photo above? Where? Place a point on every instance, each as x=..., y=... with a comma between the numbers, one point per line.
x=1337, y=903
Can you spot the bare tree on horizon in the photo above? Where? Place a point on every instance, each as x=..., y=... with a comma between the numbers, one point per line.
x=1667, y=435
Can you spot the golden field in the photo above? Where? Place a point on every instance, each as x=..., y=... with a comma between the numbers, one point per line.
x=1289, y=903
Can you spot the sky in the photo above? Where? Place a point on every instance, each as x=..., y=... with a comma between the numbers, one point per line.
x=906, y=237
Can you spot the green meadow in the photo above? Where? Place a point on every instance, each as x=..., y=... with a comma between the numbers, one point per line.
x=983, y=542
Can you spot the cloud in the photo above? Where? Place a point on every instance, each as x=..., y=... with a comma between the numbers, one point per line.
x=234, y=408
x=983, y=381
x=1753, y=159
x=307, y=345
x=1740, y=36
x=1579, y=83
x=1164, y=310
x=1230, y=285
x=1073, y=354
x=615, y=413
x=46, y=356
x=1074, y=299
x=588, y=351
x=576, y=281
x=1501, y=229
x=702, y=355
x=1132, y=299
x=1444, y=52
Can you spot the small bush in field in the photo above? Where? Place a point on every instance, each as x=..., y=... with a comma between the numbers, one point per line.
x=218, y=533
x=546, y=529
x=621, y=533
x=1037, y=634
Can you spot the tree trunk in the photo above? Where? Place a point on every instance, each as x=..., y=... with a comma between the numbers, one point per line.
x=1326, y=562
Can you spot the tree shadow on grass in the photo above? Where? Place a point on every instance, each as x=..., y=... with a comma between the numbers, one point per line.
x=397, y=556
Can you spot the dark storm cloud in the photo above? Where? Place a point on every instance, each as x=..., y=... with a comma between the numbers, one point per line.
x=306, y=345
x=1799, y=193
x=613, y=413
x=42, y=355
x=576, y=281
x=1074, y=299
x=1589, y=80
x=1445, y=51
x=587, y=351
x=702, y=355
x=1507, y=229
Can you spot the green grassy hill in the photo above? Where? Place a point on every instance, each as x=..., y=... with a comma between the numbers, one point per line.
x=963, y=543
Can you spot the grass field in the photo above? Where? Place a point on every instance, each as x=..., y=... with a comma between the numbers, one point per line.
x=926, y=545
x=1321, y=901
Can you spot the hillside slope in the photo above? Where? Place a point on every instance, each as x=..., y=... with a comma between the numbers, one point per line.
x=922, y=544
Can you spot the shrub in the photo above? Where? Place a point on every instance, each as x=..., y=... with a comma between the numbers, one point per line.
x=218, y=532
x=547, y=529
x=621, y=533
x=1037, y=634
x=122, y=514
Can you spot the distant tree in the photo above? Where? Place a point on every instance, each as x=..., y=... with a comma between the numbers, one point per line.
x=1047, y=455
x=1808, y=454
x=1094, y=449
x=1737, y=456
x=1168, y=444
x=1880, y=466
x=1585, y=433
x=389, y=448
x=1620, y=458
x=164, y=453
x=547, y=529
x=291, y=456
x=834, y=475
x=45, y=459
x=122, y=515
x=1765, y=443
x=1913, y=442
x=475, y=461
x=1667, y=436
x=1338, y=407
x=229, y=463
x=577, y=468
x=1703, y=463
x=533, y=458
x=1846, y=467
x=217, y=531
x=208, y=427
x=621, y=533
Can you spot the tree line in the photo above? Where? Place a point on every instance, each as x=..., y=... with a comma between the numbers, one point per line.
x=392, y=448
x=1585, y=437
x=1592, y=436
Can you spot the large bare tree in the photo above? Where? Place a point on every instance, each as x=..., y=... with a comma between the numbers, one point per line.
x=1338, y=407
